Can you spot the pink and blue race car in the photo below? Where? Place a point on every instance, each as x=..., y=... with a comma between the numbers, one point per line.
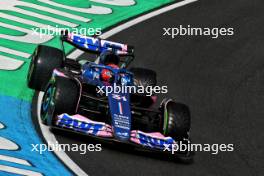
x=76, y=96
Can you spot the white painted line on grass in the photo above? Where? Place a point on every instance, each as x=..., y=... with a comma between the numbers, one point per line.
x=14, y=52
x=7, y=63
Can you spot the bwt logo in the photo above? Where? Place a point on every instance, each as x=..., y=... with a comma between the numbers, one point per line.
x=91, y=128
x=152, y=142
x=94, y=44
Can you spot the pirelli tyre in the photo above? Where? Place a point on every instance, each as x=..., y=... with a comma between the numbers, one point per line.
x=61, y=96
x=147, y=79
x=176, y=119
x=44, y=60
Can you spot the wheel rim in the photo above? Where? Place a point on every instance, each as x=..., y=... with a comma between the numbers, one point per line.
x=46, y=103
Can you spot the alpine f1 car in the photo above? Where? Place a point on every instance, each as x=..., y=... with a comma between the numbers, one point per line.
x=72, y=100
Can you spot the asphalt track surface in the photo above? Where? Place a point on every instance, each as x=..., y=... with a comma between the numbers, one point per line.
x=222, y=81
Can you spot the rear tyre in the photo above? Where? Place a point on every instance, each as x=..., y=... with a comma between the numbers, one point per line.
x=61, y=96
x=144, y=77
x=177, y=120
x=44, y=60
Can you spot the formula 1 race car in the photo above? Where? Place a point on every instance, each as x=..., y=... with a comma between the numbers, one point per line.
x=76, y=96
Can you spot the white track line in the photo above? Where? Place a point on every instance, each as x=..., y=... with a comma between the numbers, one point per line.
x=7, y=144
x=75, y=54
x=18, y=171
x=14, y=160
x=2, y=126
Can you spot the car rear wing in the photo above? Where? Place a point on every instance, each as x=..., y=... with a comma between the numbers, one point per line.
x=97, y=45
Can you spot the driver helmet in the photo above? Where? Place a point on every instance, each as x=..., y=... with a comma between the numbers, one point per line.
x=110, y=59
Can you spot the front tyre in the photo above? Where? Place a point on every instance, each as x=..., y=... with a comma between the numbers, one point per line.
x=177, y=120
x=61, y=96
